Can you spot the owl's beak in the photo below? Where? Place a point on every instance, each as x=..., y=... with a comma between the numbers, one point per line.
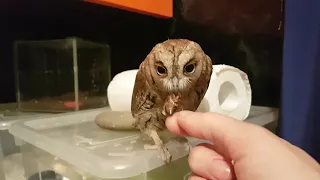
x=175, y=81
x=173, y=84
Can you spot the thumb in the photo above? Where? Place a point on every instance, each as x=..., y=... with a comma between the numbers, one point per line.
x=233, y=136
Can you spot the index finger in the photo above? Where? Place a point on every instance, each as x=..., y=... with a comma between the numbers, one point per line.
x=232, y=135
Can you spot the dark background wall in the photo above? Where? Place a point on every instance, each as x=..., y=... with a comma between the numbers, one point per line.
x=247, y=34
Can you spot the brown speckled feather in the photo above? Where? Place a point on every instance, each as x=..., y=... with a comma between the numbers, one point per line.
x=203, y=83
x=140, y=91
x=146, y=102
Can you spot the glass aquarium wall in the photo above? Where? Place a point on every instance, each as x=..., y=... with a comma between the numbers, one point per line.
x=61, y=75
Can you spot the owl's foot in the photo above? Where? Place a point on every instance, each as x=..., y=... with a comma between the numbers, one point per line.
x=171, y=104
x=165, y=155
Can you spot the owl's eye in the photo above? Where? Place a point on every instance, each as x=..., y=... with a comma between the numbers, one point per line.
x=161, y=70
x=189, y=68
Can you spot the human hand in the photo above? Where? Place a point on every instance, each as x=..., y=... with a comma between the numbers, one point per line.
x=257, y=153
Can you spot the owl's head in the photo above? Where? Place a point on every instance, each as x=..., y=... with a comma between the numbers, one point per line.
x=176, y=65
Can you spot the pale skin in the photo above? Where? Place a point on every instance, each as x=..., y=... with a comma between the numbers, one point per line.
x=242, y=151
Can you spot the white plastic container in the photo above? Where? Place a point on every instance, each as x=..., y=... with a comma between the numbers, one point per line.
x=7, y=143
x=10, y=157
x=75, y=148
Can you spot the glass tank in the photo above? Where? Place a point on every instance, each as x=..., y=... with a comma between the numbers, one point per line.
x=61, y=75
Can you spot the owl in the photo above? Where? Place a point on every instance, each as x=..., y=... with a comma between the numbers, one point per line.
x=174, y=76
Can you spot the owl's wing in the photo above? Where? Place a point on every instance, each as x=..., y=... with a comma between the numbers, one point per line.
x=141, y=95
x=202, y=83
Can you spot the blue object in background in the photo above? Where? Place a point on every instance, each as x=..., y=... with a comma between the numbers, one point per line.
x=300, y=110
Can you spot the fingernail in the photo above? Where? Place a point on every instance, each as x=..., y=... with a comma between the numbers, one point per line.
x=220, y=170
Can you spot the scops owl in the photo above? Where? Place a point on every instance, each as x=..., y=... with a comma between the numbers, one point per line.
x=174, y=76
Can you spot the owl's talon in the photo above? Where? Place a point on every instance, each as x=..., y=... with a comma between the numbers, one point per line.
x=163, y=112
x=165, y=155
x=171, y=104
